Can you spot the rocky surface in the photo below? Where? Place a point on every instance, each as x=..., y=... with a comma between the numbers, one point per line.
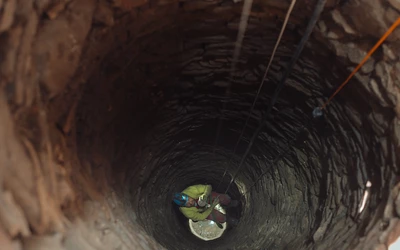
x=108, y=107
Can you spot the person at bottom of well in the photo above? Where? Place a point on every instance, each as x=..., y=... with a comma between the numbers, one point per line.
x=198, y=203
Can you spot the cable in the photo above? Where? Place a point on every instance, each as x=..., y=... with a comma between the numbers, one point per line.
x=262, y=82
x=238, y=45
x=383, y=38
x=244, y=17
x=266, y=71
x=310, y=26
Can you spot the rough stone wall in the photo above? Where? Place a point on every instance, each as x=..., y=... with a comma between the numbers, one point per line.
x=49, y=199
x=350, y=30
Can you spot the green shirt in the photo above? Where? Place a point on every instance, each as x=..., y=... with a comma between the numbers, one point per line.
x=195, y=192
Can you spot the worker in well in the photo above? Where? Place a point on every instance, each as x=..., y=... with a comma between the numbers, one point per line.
x=197, y=203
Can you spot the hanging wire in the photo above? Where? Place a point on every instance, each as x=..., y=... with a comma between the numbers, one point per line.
x=261, y=84
x=311, y=24
x=238, y=46
x=244, y=17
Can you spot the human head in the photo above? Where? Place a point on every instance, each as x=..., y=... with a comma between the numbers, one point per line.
x=183, y=200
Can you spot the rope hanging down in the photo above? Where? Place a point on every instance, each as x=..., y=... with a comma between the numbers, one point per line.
x=238, y=45
x=310, y=26
x=266, y=71
x=318, y=111
x=278, y=41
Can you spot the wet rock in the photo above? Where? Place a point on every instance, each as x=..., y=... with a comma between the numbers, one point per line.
x=355, y=54
x=354, y=116
x=18, y=180
x=388, y=52
x=41, y=5
x=8, y=12
x=363, y=11
x=81, y=238
x=368, y=67
x=378, y=123
x=375, y=88
x=396, y=131
x=5, y=241
x=12, y=217
x=112, y=240
x=55, y=9
x=221, y=84
x=101, y=225
x=379, y=247
x=332, y=35
x=318, y=235
x=103, y=14
x=339, y=19
x=322, y=26
x=395, y=4
x=66, y=193
x=391, y=16
x=59, y=43
x=394, y=232
x=383, y=70
x=128, y=4
x=397, y=204
x=339, y=148
x=24, y=69
x=43, y=242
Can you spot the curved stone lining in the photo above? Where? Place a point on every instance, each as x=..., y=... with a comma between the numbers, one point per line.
x=137, y=87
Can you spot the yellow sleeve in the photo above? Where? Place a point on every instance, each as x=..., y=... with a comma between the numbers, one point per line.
x=194, y=214
x=196, y=191
x=207, y=190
